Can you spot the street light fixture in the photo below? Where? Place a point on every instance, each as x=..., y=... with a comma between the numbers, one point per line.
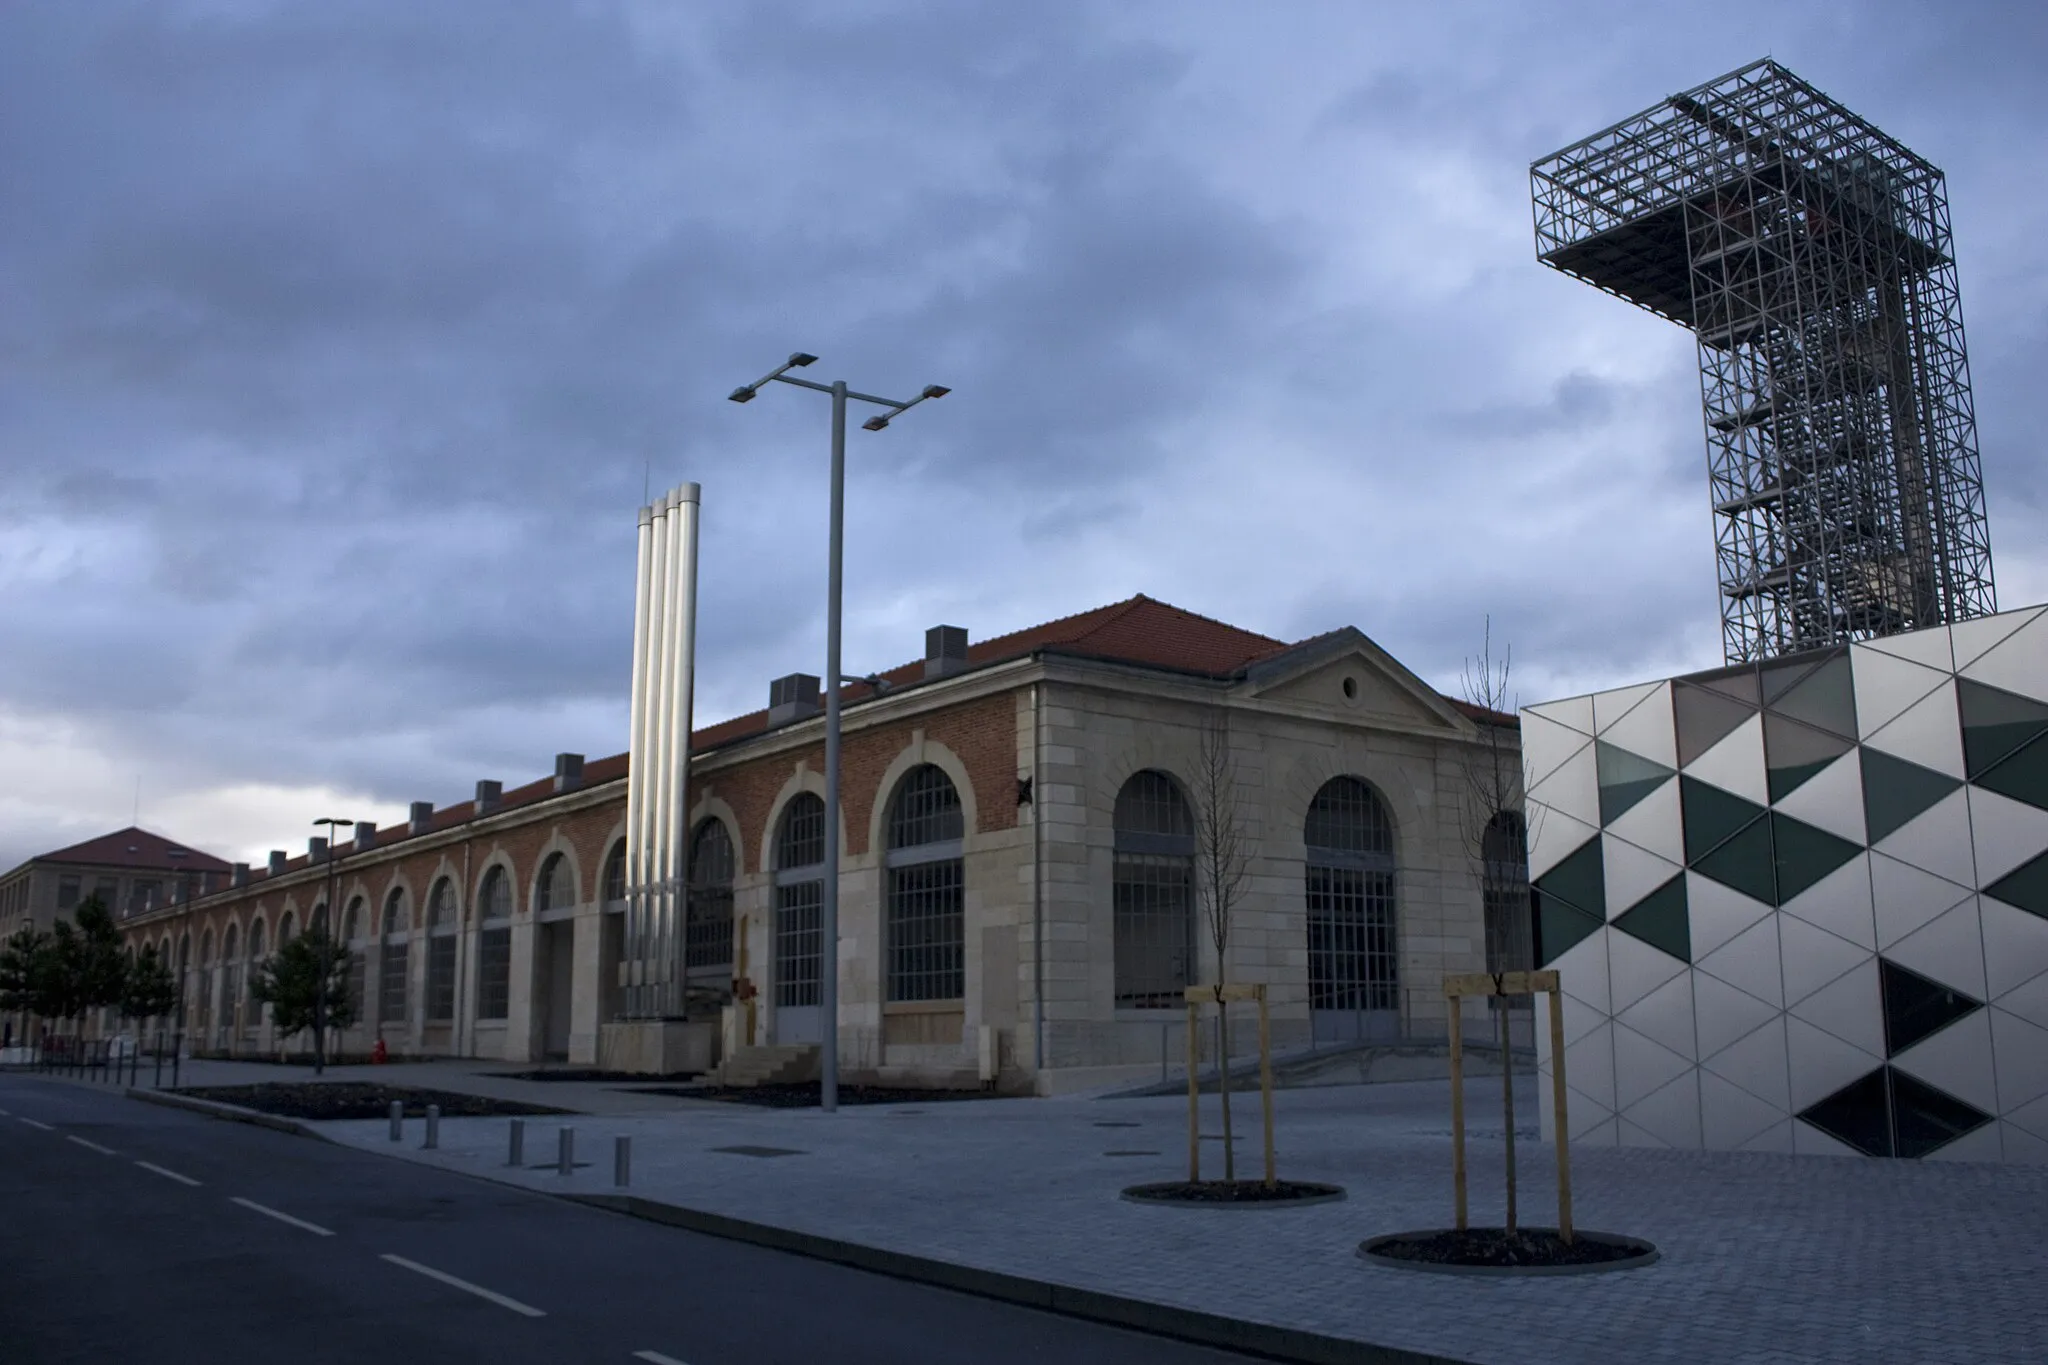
x=320, y=944
x=828, y=911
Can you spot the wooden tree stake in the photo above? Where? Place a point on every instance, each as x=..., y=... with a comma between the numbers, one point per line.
x=1512, y=983
x=1194, y=1095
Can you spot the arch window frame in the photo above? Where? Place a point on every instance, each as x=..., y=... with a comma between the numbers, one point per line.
x=799, y=880
x=1352, y=899
x=494, y=908
x=394, y=940
x=925, y=890
x=1152, y=892
x=554, y=888
x=443, y=927
x=708, y=899
x=613, y=878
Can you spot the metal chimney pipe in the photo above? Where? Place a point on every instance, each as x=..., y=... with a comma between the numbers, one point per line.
x=681, y=696
x=658, y=804
x=636, y=744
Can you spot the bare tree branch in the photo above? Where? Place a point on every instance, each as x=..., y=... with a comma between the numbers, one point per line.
x=1223, y=857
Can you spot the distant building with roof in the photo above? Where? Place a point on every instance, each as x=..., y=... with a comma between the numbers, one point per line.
x=132, y=871
x=1017, y=892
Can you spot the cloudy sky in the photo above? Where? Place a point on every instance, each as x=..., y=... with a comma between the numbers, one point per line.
x=339, y=342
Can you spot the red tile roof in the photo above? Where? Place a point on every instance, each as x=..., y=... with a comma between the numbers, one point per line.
x=133, y=847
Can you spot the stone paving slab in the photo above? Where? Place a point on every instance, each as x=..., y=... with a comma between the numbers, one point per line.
x=1766, y=1258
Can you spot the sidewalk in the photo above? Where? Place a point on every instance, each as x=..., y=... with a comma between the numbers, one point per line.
x=1766, y=1258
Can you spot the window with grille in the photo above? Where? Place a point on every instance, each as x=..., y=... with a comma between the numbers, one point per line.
x=1352, y=962
x=494, y=973
x=230, y=975
x=255, y=961
x=707, y=922
x=391, y=983
x=1510, y=937
x=67, y=892
x=556, y=889
x=615, y=876
x=926, y=889
x=1153, y=903
x=441, y=951
x=287, y=928
x=800, y=902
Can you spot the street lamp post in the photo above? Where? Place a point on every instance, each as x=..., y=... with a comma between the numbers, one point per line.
x=828, y=912
x=320, y=943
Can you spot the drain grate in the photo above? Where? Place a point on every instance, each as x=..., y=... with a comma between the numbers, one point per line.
x=746, y=1150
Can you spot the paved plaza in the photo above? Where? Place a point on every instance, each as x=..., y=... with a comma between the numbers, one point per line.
x=1766, y=1258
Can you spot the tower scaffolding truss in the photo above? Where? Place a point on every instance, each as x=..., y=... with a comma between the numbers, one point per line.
x=1810, y=255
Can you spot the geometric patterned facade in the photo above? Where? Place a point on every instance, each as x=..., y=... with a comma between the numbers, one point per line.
x=1801, y=905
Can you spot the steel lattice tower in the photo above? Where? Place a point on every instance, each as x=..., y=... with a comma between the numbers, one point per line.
x=1809, y=253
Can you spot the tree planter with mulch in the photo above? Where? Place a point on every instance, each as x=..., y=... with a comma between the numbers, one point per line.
x=331, y=1100
x=1234, y=1194
x=1495, y=1251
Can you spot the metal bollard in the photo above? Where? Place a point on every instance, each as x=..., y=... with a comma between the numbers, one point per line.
x=565, y=1159
x=622, y=1161
x=398, y=1120
x=433, y=1127
x=157, y=1081
x=517, y=1156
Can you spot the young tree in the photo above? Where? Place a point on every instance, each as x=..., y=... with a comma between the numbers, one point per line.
x=24, y=972
x=1223, y=856
x=150, y=992
x=308, y=971
x=1495, y=840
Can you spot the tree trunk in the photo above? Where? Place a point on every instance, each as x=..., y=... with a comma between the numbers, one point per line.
x=1223, y=1085
x=1507, y=1092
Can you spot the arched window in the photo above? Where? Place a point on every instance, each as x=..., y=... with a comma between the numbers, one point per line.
x=352, y=943
x=441, y=930
x=391, y=984
x=494, y=945
x=1153, y=896
x=707, y=926
x=286, y=928
x=1353, y=983
x=615, y=877
x=556, y=889
x=204, y=999
x=926, y=926
x=1504, y=881
x=230, y=974
x=255, y=961
x=184, y=970
x=319, y=920
x=799, y=904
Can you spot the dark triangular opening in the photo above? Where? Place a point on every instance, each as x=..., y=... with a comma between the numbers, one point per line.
x=1859, y=1114
x=1804, y=855
x=1924, y=1119
x=1917, y=1006
x=1824, y=698
x=1560, y=927
x=1704, y=718
x=2022, y=775
x=1794, y=752
x=1710, y=815
x=1745, y=863
x=1580, y=880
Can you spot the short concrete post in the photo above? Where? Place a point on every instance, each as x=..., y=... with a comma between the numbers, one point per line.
x=517, y=1156
x=622, y=1161
x=398, y=1120
x=433, y=1139
x=565, y=1157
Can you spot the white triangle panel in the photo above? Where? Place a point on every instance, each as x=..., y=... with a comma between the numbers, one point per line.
x=1956, y=1059
x=1553, y=837
x=1950, y=950
x=1722, y=1014
x=2019, y=1052
x=1632, y=873
x=2029, y=1000
x=2022, y=1148
x=1610, y=706
x=1929, y=733
x=1582, y=977
x=1972, y=640
x=1822, y=1063
x=1641, y=1066
x=1887, y=685
x=1832, y=799
x=1759, y=1063
x=1600, y=1132
x=1776, y=1138
x=1840, y=903
x=1648, y=730
x=1634, y=1135
x=2006, y=833
x=1936, y=840
x=1581, y=1111
x=1905, y=898
x=2032, y=1116
x=1813, y=957
x=1848, y=1007
x=1751, y=961
x=1671, y=1114
x=2015, y=946
x=1980, y=1144
x=1655, y=823
x=1634, y=969
x=1929, y=647
x=1736, y=764
x=1572, y=788
x=2018, y=663
x=1808, y=1140
x=1730, y=1116
x=1664, y=1016
x=1545, y=744
x=1718, y=913
x=1589, y=1065
x=1575, y=712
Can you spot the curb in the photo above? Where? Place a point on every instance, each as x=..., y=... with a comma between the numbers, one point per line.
x=1157, y=1319
x=231, y=1112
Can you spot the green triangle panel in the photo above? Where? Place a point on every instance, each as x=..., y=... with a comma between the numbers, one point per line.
x=1625, y=778
x=2026, y=886
x=1704, y=718
x=1659, y=919
x=1780, y=676
x=1995, y=723
x=1744, y=863
x=1794, y=752
x=1710, y=815
x=2023, y=776
x=1824, y=699
x=1560, y=927
x=1895, y=791
x=1579, y=880
x=1804, y=854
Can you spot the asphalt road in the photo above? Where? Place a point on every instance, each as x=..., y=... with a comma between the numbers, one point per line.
x=132, y=1232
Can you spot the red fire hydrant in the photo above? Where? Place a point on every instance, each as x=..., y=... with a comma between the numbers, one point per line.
x=378, y=1055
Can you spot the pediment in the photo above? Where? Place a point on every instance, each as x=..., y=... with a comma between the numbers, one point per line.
x=1347, y=675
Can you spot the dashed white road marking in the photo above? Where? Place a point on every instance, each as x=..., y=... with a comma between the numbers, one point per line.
x=656, y=1358
x=445, y=1278
x=168, y=1175
x=94, y=1146
x=37, y=1123
x=313, y=1228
